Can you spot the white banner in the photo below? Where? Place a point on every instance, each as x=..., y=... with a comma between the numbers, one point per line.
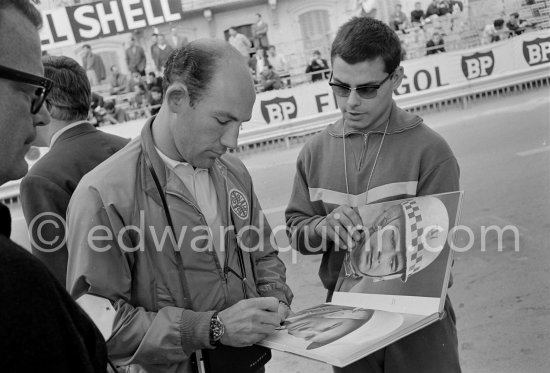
x=426, y=73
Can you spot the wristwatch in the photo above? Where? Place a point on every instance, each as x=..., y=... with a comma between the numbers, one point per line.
x=217, y=329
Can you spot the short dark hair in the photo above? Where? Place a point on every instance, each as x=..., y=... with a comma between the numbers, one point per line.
x=87, y=46
x=498, y=22
x=364, y=38
x=26, y=8
x=194, y=65
x=70, y=97
x=109, y=105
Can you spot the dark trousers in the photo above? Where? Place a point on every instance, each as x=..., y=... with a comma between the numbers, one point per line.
x=433, y=349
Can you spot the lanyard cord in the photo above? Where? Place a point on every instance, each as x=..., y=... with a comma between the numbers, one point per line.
x=373, y=166
x=348, y=268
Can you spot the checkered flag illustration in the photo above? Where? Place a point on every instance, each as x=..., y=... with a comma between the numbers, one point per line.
x=412, y=210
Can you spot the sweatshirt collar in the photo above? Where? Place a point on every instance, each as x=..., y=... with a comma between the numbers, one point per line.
x=399, y=119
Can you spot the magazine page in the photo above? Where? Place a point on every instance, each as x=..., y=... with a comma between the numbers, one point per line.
x=404, y=263
x=339, y=335
x=390, y=285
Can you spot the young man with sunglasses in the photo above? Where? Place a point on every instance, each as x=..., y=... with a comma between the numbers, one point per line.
x=42, y=329
x=375, y=152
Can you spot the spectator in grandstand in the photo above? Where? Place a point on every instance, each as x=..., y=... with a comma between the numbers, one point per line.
x=398, y=19
x=456, y=6
x=93, y=64
x=269, y=79
x=95, y=115
x=141, y=97
x=239, y=42
x=494, y=32
x=433, y=9
x=417, y=15
x=402, y=150
x=135, y=57
x=435, y=45
x=280, y=66
x=114, y=114
x=76, y=147
x=154, y=100
x=259, y=31
x=135, y=79
x=155, y=51
x=277, y=61
x=317, y=64
x=444, y=8
x=175, y=40
x=515, y=25
x=257, y=63
x=118, y=81
x=96, y=100
x=152, y=81
x=164, y=51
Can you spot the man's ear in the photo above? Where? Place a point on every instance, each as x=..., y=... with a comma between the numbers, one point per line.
x=398, y=76
x=177, y=97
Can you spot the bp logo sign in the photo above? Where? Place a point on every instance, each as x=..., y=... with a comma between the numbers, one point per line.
x=279, y=109
x=239, y=204
x=537, y=51
x=478, y=65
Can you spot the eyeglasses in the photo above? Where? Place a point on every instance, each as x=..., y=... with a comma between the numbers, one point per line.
x=44, y=85
x=364, y=91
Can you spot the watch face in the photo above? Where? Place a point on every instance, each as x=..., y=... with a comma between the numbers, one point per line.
x=216, y=329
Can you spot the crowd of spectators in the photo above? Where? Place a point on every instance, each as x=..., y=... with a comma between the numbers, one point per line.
x=442, y=26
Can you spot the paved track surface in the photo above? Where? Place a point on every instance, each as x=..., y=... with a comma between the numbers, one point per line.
x=502, y=298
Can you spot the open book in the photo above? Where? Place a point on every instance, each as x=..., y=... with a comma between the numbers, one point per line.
x=391, y=285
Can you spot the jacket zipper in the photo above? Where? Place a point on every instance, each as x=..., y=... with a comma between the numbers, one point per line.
x=203, y=220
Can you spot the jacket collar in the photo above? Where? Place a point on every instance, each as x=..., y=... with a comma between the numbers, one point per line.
x=168, y=179
x=82, y=127
x=400, y=121
x=148, y=148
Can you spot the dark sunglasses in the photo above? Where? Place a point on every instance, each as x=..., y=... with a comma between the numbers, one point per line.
x=44, y=85
x=364, y=91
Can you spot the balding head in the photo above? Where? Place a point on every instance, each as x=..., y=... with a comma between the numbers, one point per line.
x=196, y=64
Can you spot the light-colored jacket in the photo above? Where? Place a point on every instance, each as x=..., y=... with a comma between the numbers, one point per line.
x=159, y=320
